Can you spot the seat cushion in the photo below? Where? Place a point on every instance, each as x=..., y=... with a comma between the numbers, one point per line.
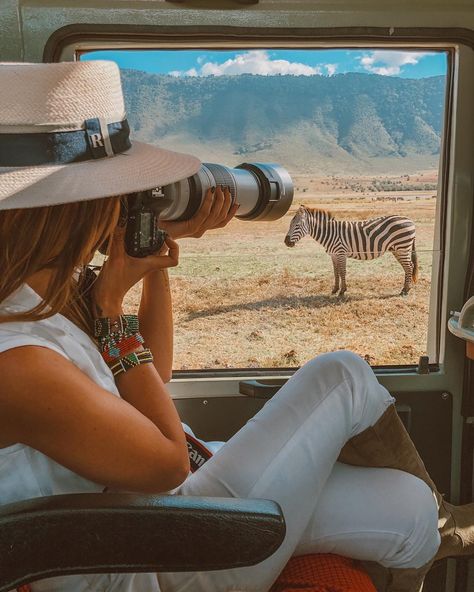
x=323, y=573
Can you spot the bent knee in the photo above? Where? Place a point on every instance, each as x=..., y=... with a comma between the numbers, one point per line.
x=342, y=362
x=343, y=365
x=421, y=539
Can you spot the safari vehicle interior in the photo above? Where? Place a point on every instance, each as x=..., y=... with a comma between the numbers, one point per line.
x=232, y=374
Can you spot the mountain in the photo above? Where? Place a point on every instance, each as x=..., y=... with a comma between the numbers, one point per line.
x=347, y=123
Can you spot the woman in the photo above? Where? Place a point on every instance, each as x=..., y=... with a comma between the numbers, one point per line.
x=83, y=406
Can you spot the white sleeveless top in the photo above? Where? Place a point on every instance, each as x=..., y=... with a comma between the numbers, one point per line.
x=26, y=473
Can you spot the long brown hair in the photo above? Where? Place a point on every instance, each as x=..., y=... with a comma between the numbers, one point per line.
x=62, y=238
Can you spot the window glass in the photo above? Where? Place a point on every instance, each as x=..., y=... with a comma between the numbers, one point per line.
x=359, y=132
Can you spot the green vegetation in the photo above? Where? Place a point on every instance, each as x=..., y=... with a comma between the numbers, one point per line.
x=389, y=185
x=309, y=123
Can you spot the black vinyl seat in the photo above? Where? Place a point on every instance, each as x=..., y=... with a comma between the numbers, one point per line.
x=101, y=533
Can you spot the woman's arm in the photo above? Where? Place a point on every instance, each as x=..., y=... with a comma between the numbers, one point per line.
x=156, y=321
x=142, y=386
x=135, y=443
x=156, y=312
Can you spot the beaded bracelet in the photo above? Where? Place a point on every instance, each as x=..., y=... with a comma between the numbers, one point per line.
x=118, y=337
x=103, y=327
x=129, y=361
x=121, y=343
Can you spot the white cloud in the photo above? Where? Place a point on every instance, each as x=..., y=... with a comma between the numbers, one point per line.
x=390, y=63
x=330, y=69
x=180, y=73
x=256, y=61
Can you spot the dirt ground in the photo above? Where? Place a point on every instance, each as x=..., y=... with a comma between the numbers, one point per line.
x=243, y=299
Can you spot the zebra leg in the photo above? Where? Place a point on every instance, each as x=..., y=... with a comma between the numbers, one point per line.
x=341, y=264
x=335, y=290
x=404, y=258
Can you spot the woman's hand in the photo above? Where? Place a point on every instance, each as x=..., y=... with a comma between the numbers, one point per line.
x=121, y=272
x=216, y=211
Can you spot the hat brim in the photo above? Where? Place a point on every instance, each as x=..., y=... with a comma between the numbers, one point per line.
x=142, y=167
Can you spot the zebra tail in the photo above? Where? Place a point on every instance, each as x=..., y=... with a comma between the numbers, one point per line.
x=414, y=260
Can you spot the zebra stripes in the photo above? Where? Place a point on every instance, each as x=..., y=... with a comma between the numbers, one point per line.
x=363, y=240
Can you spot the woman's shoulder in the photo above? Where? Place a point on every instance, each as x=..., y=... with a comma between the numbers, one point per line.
x=13, y=336
x=56, y=333
x=53, y=332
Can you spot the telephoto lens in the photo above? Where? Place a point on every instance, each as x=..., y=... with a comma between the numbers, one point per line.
x=264, y=191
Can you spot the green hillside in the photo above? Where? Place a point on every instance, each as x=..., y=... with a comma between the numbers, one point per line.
x=355, y=123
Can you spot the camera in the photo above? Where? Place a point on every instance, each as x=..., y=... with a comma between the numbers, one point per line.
x=143, y=237
x=264, y=192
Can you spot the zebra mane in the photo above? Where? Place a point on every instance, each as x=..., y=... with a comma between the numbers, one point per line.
x=329, y=215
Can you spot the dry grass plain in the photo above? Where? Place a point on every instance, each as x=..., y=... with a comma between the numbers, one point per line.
x=243, y=299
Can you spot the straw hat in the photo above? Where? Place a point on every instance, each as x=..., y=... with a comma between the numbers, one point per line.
x=64, y=137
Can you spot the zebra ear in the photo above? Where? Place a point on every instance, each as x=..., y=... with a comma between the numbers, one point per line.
x=302, y=210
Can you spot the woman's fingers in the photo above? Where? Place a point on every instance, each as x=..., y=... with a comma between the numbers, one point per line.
x=221, y=211
x=173, y=251
x=204, y=211
x=217, y=207
x=231, y=213
x=229, y=206
x=212, y=214
x=120, y=272
x=193, y=225
x=226, y=212
x=162, y=259
x=215, y=211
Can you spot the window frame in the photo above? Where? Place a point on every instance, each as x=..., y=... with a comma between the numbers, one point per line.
x=71, y=41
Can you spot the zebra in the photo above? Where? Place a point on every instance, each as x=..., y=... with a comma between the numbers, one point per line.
x=366, y=239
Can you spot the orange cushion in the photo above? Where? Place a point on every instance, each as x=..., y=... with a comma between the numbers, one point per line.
x=323, y=573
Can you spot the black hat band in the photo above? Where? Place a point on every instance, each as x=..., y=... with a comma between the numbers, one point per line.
x=97, y=140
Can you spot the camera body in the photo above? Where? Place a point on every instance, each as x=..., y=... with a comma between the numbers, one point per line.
x=142, y=235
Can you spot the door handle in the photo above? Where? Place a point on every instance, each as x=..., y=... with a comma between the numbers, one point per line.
x=260, y=389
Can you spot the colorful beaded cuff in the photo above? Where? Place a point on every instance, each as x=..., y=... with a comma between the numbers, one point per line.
x=130, y=361
x=120, y=345
x=106, y=326
x=118, y=337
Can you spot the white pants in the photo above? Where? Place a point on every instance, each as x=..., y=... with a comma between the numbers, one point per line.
x=288, y=453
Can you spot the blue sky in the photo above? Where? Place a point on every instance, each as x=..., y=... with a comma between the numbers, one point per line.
x=404, y=64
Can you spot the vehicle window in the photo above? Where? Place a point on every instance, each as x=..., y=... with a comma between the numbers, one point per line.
x=359, y=131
